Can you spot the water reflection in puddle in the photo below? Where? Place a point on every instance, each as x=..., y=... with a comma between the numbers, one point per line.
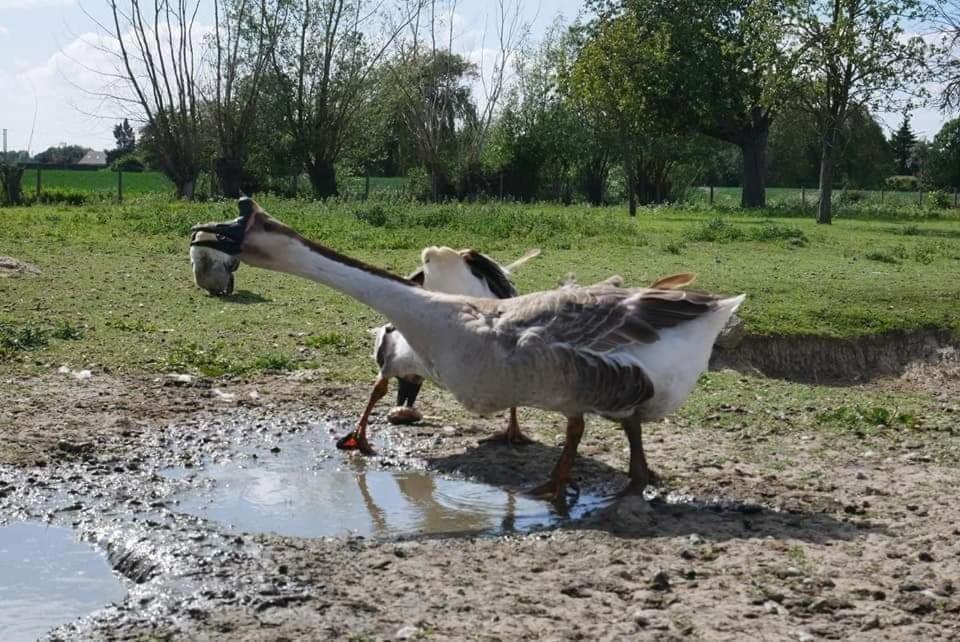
x=48, y=578
x=308, y=489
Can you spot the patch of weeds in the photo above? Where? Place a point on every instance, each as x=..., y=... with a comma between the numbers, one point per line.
x=273, y=362
x=673, y=247
x=67, y=332
x=208, y=361
x=925, y=254
x=798, y=557
x=909, y=230
x=876, y=416
x=771, y=231
x=26, y=337
x=716, y=230
x=327, y=341
x=375, y=216
x=882, y=256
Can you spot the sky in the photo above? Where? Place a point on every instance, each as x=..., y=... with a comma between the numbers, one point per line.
x=52, y=59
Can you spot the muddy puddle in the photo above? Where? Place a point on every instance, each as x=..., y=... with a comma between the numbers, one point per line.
x=48, y=578
x=304, y=487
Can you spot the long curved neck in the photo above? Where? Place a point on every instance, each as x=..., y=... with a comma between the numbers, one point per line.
x=396, y=298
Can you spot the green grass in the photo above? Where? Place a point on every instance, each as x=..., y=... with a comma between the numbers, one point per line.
x=97, y=181
x=116, y=288
x=729, y=197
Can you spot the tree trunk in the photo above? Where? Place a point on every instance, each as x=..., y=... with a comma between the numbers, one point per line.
x=323, y=178
x=229, y=176
x=185, y=188
x=824, y=215
x=629, y=169
x=11, y=178
x=754, y=147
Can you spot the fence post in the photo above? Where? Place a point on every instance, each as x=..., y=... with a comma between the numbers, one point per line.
x=711, y=194
x=954, y=197
x=881, y=196
x=803, y=196
x=501, y=185
x=119, y=185
x=920, y=197
x=366, y=185
x=39, y=170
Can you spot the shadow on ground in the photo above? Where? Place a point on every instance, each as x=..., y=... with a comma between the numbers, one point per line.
x=718, y=518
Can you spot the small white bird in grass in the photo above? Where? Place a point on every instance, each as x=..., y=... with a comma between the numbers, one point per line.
x=442, y=270
x=630, y=355
x=212, y=270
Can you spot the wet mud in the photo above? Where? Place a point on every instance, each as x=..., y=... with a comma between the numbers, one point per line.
x=794, y=542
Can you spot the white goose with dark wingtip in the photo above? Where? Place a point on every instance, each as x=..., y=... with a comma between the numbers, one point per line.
x=442, y=270
x=628, y=354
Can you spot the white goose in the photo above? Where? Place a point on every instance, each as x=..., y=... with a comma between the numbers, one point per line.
x=446, y=270
x=212, y=270
x=630, y=355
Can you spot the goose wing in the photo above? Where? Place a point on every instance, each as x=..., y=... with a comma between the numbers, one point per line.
x=580, y=333
x=599, y=319
x=489, y=271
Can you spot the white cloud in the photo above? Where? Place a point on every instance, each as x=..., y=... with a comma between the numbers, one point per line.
x=3, y=30
x=34, y=4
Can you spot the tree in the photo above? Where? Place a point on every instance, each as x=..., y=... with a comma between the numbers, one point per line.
x=158, y=65
x=323, y=60
x=126, y=141
x=855, y=55
x=943, y=162
x=433, y=84
x=902, y=143
x=243, y=40
x=726, y=73
x=61, y=154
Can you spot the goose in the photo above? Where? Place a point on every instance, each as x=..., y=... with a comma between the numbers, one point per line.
x=446, y=270
x=630, y=355
x=212, y=270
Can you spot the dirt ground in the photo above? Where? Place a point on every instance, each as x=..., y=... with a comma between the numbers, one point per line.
x=799, y=538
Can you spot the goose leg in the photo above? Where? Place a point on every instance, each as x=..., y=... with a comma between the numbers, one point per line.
x=407, y=390
x=640, y=474
x=556, y=488
x=512, y=435
x=357, y=440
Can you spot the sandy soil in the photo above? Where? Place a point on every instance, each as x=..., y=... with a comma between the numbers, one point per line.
x=800, y=539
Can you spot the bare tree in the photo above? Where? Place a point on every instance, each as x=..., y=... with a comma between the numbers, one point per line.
x=323, y=60
x=156, y=44
x=243, y=40
x=431, y=80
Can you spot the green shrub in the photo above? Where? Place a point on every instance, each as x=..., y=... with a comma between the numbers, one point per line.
x=374, y=215
x=903, y=183
x=938, y=199
x=716, y=230
x=62, y=195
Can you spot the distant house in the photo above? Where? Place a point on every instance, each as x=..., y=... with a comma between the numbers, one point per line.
x=94, y=159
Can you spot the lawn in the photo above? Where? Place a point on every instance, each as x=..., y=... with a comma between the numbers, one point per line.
x=729, y=197
x=97, y=181
x=116, y=290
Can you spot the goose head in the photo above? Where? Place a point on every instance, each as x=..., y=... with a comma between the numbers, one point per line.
x=253, y=237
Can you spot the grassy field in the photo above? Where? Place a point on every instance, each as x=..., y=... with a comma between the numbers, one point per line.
x=99, y=181
x=116, y=287
x=729, y=197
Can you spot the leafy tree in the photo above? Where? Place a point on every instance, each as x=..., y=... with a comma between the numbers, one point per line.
x=855, y=54
x=616, y=78
x=62, y=154
x=943, y=163
x=901, y=143
x=726, y=72
x=126, y=141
